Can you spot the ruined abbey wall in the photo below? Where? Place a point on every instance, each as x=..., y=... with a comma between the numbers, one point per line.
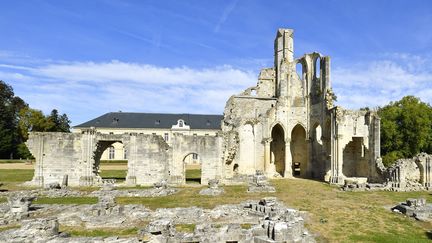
x=286, y=126
x=74, y=159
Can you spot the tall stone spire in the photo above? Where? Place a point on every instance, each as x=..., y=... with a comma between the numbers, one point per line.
x=283, y=50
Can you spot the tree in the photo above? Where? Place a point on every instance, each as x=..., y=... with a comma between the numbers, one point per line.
x=31, y=120
x=56, y=123
x=406, y=129
x=17, y=119
x=10, y=105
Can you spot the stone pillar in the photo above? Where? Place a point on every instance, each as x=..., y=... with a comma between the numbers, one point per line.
x=339, y=156
x=132, y=159
x=88, y=147
x=267, y=159
x=39, y=178
x=288, y=159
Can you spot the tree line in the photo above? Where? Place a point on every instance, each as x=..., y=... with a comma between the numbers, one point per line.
x=406, y=129
x=17, y=119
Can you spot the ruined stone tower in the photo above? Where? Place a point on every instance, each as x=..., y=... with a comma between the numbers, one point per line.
x=288, y=126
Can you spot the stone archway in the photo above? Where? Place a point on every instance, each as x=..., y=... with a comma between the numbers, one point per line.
x=355, y=159
x=192, y=168
x=299, y=152
x=277, y=149
x=105, y=146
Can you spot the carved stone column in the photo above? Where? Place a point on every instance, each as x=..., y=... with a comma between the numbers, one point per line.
x=288, y=159
x=267, y=159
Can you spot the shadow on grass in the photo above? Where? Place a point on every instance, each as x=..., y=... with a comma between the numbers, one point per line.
x=429, y=235
x=193, y=180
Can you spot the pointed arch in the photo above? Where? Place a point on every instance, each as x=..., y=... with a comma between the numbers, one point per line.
x=299, y=151
x=277, y=148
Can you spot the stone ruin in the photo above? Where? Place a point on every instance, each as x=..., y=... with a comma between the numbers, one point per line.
x=266, y=220
x=19, y=205
x=416, y=208
x=213, y=188
x=411, y=174
x=259, y=183
x=404, y=175
x=285, y=126
x=275, y=223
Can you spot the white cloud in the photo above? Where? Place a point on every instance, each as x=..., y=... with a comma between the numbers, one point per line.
x=85, y=90
x=378, y=82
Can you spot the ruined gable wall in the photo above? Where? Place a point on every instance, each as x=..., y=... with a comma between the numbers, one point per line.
x=57, y=155
x=364, y=127
x=245, y=121
x=149, y=157
x=73, y=156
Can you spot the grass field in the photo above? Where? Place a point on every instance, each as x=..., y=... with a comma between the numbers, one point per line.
x=11, y=161
x=334, y=215
x=193, y=176
x=119, y=175
x=66, y=200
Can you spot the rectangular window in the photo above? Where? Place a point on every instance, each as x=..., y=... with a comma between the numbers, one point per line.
x=166, y=137
x=111, y=152
x=195, y=156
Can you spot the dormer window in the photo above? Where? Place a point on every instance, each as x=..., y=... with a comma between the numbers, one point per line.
x=208, y=123
x=115, y=121
x=157, y=122
x=181, y=123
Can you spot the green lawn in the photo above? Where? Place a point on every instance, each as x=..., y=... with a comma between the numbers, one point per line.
x=189, y=196
x=66, y=200
x=11, y=179
x=113, y=161
x=15, y=175
x=101, y=232
x=119, y=175
x=9, y=161
x=193, y=176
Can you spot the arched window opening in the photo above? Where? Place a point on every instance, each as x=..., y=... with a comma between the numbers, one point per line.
x=318, y=134
x=318, y=67
x=299, y=70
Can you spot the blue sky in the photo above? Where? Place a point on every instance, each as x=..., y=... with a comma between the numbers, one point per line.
x=86, y=58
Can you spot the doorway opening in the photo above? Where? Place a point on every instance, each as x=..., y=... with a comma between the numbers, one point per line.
x=192, y=168
x=277, y=148
x=355, y=159
x=111, y=161
x=299, y=151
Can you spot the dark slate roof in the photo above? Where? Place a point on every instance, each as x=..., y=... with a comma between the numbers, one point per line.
x=153, y=120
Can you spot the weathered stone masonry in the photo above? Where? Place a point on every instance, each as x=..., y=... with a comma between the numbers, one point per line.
x=73, y=159
x=288, y=126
